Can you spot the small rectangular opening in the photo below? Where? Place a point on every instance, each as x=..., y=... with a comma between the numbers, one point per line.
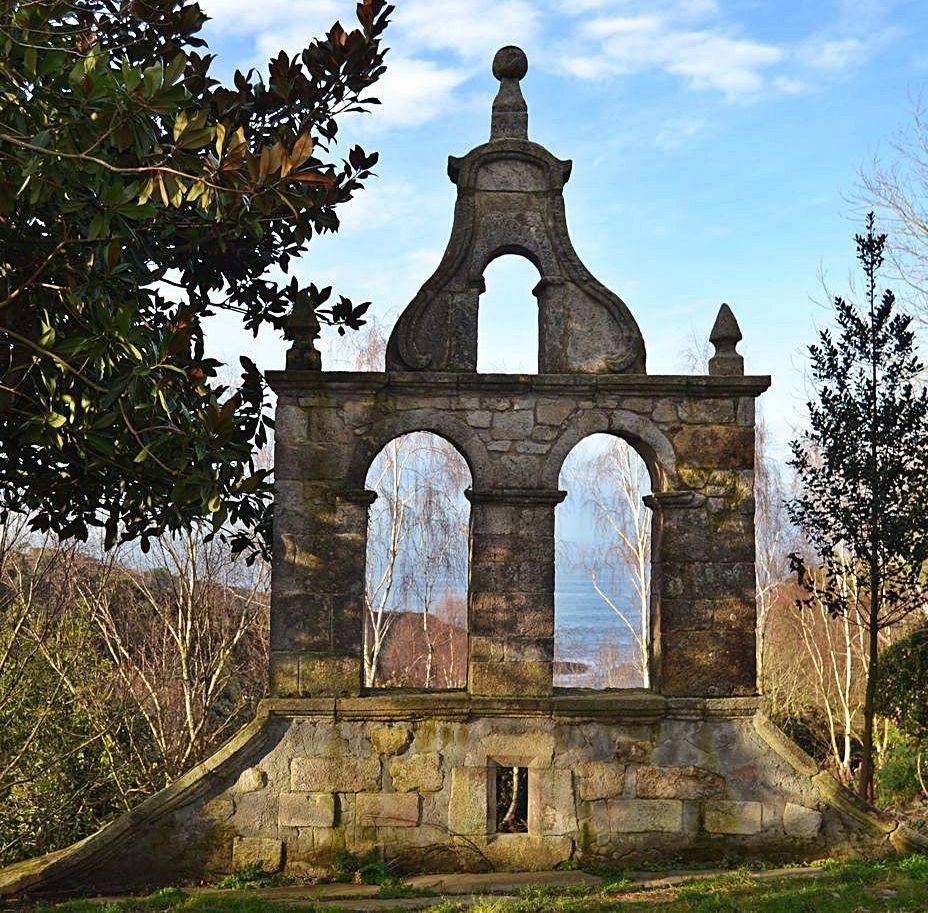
x=511, y=800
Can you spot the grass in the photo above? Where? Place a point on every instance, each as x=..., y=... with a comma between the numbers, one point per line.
x=846, y=887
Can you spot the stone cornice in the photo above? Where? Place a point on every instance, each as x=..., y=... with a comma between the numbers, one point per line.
x=444, y=383
x=620, y=706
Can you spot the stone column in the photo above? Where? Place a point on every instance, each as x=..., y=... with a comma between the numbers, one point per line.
x=703, y=610
x=511, y=592
x=320, y=541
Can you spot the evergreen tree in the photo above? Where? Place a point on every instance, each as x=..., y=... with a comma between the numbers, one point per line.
x=863, y=474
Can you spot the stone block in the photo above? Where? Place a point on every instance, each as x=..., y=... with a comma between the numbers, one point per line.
x=284, y=675
x=290, y=424
x=600, y=780
x=306, y=810
x=421, y=771
x=531, y=748
x=724, y=817
x=527, y=852
x=632, y=751
x=479, y=418
x=250, y=780
x=637, y=816
x=468, y=804
x=262, y=852
x=334, y=774
x=513, y=424
x=330, y=675
x=715, y=446
x=551, y=804
x=387, y=810
x=707, y=411
x=677, y=783
x=554, y=413
x=390, y=740
x=510, y=679
x=801, y=822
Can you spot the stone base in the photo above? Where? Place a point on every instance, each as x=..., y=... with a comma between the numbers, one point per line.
x=611, y=776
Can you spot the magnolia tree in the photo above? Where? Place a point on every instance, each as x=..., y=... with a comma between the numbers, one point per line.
x=138, y=195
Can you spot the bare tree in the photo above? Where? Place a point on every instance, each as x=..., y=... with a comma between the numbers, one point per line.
x=898, y=190
x=417, y=544
x=612, y=481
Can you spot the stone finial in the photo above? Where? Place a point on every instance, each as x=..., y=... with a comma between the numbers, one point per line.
x=510, y=113
x=725, y=335
x=303, y=330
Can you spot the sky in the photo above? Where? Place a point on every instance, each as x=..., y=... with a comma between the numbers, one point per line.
x=716, y=148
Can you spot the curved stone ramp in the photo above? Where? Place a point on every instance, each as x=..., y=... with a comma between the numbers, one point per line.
x=69, y=869
x=142, y=849
x=901, y=837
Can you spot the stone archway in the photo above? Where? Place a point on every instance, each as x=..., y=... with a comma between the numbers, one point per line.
x=692, y=767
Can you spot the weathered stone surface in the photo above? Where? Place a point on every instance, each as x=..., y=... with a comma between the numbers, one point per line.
x=600, y=780
x=725, y=817
x=251, y=779
x=677, y=783
x=467, y=804
x=632, y=751
x=801, y=822
x=551, y=803
x=532, y=748
x=263, y=852
x=387, y=810
x=421, y=771
x=553, y=413
x=390, y=740
x=527, y=852
x=306, y=810
x=334, y=774
x=636, y=816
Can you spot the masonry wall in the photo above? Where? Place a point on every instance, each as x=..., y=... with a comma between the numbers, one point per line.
x=695, y=433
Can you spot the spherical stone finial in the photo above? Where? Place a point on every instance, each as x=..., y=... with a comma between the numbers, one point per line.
x=510, y=62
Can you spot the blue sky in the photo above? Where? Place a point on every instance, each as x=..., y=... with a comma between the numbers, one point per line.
x=716, y=146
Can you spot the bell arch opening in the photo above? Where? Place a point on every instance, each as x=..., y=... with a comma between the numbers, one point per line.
x=416, y=565
x=603, y=554
x=507, y=317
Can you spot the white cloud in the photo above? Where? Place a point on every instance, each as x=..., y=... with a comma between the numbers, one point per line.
x=836, y=54
x=675, y=133
x=471, y=29
x=707, y=59
x=413, y=91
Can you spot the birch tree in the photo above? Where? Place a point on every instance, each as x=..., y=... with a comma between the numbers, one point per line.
x=611, y=481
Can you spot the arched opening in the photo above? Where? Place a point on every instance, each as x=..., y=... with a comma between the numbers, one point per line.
x=507, y=318
x=415, y=586
x=602, y=568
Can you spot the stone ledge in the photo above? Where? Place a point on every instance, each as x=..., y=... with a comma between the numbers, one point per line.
x=633, y=705
x=444, y=383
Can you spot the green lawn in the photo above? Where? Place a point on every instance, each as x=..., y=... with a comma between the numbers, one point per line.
x=854, y=887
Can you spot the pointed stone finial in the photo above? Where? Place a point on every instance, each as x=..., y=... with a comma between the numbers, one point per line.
x=303, y=330
x=725, y=335
x=510, y=113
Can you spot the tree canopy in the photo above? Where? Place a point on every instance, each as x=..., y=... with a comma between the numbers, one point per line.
x=863, y=472
x=138, y=195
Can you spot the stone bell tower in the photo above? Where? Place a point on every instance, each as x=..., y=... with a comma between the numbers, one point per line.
x=689, y=768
